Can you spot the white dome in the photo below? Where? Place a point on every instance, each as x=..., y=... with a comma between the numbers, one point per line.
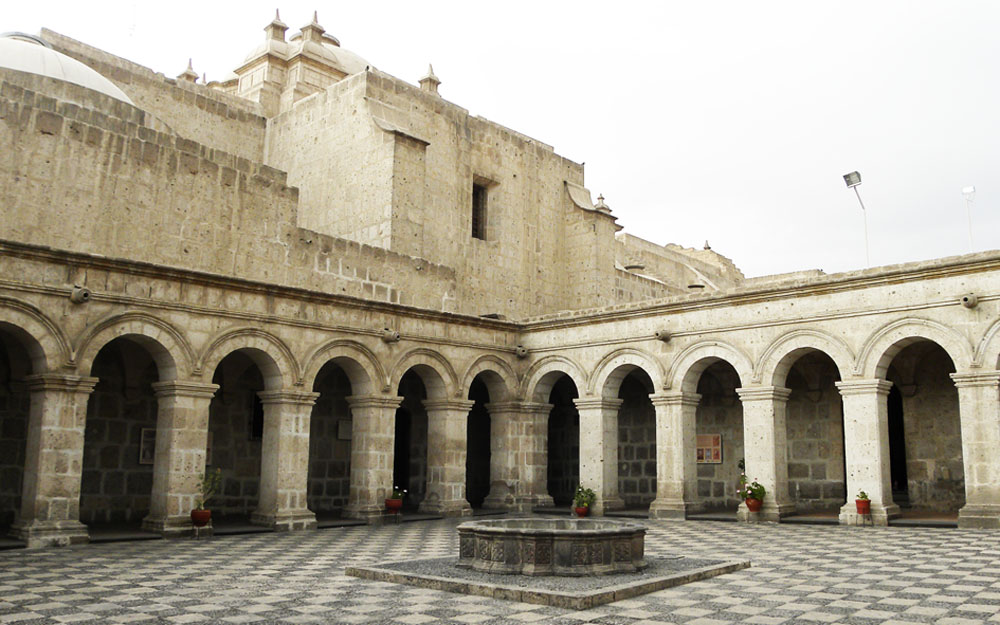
x=21, y=53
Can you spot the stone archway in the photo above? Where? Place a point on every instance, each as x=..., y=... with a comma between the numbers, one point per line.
x=719, y=439
x=563, y=440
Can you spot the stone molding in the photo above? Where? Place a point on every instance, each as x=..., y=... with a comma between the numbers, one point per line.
x=58, y=382
x=977, y=378
x=448, y=404
x=183, y=388
x=520, y=407
x=675, y=398
x=864, y=387
x=764, y=393
x=588, y=403
x=374, y=401
x=286, y=396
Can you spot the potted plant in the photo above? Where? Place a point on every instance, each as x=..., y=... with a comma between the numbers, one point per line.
x=752, y=493
x=394, y=502
x=210, y=484
x=582, y=500
x=863, y=503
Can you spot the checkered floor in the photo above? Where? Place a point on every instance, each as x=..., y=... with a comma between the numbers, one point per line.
x=800, y=575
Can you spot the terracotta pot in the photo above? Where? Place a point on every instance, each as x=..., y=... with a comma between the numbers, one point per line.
x=753, y=505
x=393, y=505
x=200, y=518
x=582, y=511
x=864, y=506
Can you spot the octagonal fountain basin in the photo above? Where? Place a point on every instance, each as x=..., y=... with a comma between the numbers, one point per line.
x=571, y=547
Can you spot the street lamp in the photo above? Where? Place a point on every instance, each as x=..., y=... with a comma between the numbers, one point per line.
x=853, y=180
x=970, y=194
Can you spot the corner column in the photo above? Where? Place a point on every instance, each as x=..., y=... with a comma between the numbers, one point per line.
x=447, y=440
x=765, y=445
x=676, y=472
x=50, y=496
x=979, y=410
x=373, y=434
x=518, y=456
x=599, y=451
x=866, y=430
x=284, y=465
x=179, y=463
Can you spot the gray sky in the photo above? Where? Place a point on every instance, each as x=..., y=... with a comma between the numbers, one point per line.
x=727, y=121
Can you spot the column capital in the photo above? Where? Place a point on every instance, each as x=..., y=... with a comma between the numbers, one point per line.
x=523, y=407
x=60, y=382
x=585, y=403
x=288, y=396
x=976, y=378
x=876, y=386
x=183, y=388
x=463, y=405
x=675, y=398
x=763, y=393
x=374, y=401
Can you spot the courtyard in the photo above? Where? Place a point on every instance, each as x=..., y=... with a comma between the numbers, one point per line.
x=799, y=574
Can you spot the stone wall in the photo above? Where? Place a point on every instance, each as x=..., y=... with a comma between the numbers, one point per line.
x=636, y=444
x=236, y=425
x=116, y=486
x=329, y=453
x=815, y=424
x=15, y=402
x=720, y=412
x=933, y=436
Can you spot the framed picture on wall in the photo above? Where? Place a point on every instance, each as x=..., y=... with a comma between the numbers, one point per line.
x=343, y=430
x=147, y=445
x=708, y=449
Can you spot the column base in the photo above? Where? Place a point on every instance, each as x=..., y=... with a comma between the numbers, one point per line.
x=169, y=527
x=676, y=509
x=769, y=512
x=446, y=508
x=880, y=514
x=979, y=516
x=609, y=504
x=50, y=533
x=285, y=521
x=370, y=513
x=526, y=503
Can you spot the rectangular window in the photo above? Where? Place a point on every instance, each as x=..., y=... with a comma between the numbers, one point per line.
x=478, y=212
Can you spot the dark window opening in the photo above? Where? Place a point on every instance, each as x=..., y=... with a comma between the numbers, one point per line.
x=478, y=212
x=257, y=419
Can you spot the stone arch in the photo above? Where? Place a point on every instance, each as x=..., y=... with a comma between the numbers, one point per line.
x=690, y=363
x=773, y=366
x=435, y=371
x=167, y=346
x=501, y=380
x=47, y=345
x=269, y=353
x=363, y=369
x=612, y=369
x=537, y=383
x=988, y=350
x=883, y=345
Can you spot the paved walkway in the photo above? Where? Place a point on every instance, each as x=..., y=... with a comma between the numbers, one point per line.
x=800, y=575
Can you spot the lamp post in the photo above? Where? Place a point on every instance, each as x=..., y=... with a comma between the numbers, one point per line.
x=970, y=194
x=853, y=179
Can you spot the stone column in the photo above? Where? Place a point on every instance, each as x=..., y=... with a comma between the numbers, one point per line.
x=447, y=431
x=599, y=451
x=519, y=458
x=866, y=453
x=676, y=471
x=53, y=467
x=179, y=463
x=284, y=464
x=979, y=407
x=373, y=435
x=765, y=448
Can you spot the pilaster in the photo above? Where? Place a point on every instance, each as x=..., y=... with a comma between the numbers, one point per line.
x=599, y=451
x=979, y=409
x=447, y=430
x=765, y=444
x=866, y=454
x=518, y=456
x=373, y=431
x=179, y=463
x=676, y=472
x=50, y=501
x=284, y=466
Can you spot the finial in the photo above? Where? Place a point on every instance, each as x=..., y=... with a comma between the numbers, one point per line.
x=277, y=16
x=315, y=17
x=707, y=246
x=430, y=82
x=189, y=64
x=601, y=206
x=189, y=74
